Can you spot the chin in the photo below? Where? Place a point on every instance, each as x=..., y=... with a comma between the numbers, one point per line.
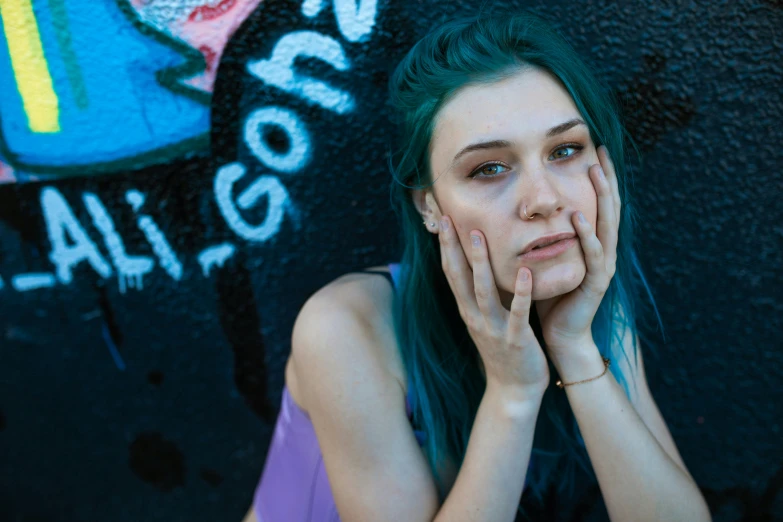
x=557, y=280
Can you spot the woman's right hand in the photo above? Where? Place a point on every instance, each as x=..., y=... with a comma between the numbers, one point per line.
x=513, y=358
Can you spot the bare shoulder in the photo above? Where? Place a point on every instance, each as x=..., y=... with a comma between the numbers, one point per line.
x=250, y=516
x=349, y=320
x=342, y=355
x=368, y=286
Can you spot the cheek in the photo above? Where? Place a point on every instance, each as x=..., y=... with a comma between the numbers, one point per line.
x=491, y=231
x=463, y=235
x=587, y=201
x=472, y=217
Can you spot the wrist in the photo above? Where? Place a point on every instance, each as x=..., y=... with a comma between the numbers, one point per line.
x=514, y=401
x=579, y=362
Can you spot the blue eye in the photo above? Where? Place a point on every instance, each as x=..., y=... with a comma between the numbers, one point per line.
x=493, y=166
x=575, y=146
x=490, y=170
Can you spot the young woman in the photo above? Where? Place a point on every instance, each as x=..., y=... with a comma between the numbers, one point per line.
x=501, y=354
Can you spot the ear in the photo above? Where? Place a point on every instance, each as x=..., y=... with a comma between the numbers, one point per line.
x=424, y=200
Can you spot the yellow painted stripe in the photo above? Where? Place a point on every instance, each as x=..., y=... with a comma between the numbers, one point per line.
x=29, y=64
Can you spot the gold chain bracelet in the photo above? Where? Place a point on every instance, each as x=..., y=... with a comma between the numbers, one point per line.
x=561, y=384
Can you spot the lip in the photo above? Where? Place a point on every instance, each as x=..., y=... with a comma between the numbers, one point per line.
x=553, y=250
x=551, y=238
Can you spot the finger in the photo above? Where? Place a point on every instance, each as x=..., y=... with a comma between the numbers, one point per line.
x=594, y=281
x=611, y=176
x=606, y=224
x=456, y=269
x=610, y=247
x=519, y=315
x=484, y=285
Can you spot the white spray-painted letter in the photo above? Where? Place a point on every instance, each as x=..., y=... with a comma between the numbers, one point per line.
x=130, y=269
x=215, y=256
x=135, y=199
x=166, y=256
x=298, y=152
x=60, y=219
x=355, y=22
x=311, y=8
x=160, y=246
x=265, y=185
x=25, y=282
x=278, y=70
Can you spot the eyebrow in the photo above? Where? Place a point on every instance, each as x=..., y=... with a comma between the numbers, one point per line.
x=499, y=144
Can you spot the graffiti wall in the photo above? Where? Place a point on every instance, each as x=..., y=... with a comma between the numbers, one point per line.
x=178, y=176
x=72, y=107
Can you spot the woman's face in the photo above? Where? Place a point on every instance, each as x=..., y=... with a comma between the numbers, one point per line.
x=529, y=158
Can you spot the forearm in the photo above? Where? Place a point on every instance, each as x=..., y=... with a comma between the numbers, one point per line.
x=638, y=479
x=490, y=481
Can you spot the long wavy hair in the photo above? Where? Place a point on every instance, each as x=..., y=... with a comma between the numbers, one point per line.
x=441, y=361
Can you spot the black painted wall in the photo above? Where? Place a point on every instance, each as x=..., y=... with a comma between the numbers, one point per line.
x=152, y=396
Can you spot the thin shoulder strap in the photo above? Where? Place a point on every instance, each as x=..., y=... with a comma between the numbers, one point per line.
x=387, y=275
x=410, y=398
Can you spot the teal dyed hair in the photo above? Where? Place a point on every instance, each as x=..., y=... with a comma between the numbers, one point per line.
x=440, y=358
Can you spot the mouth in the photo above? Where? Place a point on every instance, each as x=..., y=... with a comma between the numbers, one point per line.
x=549, y=251
x=545, y=245
x=545, y=241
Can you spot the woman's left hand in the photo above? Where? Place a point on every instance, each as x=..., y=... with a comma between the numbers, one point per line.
x=568, y=322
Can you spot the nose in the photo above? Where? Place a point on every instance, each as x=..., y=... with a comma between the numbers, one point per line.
x=539, y=195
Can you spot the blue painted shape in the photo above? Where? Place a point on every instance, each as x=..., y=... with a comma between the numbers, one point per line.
x=128, y=113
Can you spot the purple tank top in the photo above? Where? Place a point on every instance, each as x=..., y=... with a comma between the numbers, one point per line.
x=294, y=486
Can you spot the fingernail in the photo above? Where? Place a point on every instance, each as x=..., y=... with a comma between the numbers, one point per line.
x=444, y=224
x=601, y=172
x=581, y=217
x=524, y=275
x=476, y=240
